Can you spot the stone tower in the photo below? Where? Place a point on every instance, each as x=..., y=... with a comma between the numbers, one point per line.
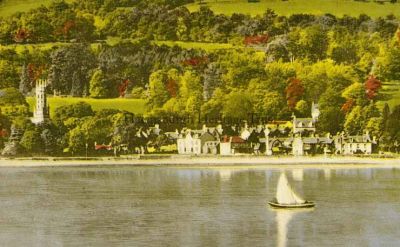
x=41, y=112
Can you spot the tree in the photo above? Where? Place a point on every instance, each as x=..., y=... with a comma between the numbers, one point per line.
x=330, y=120
x=392, y=131
x=77, y=141
x=11, y=96
x=25, y=85
x=294, y=91
x=331, y=97
x=78, y=111
x=303, y=108
x=212, y=79
x=388, y=64
x=32, y=142
x=357, y=120
x=356, y=93
x=273, y=105
x=277, y=74
x=277, y=49
x=191, y=85
x=354, y=121
x=375, y=126
x=8, y=74
x=372, y=86
x=100, y=86
x=213, y=107
x=69, y=70
x=158, y=92
x=49, y=140
x=238, y=105
x=311, y=43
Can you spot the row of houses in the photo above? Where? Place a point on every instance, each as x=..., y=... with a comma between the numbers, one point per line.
x=297, y=137
x=207, y=143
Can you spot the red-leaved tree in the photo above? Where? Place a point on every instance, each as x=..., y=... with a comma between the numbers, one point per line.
x=256, y=40
x=172, y=87
x=21, y=35
x=348, y=105
x=294, y=91
x=35, y=72
x=372, y=86
x=195, y=61
x=123, y=87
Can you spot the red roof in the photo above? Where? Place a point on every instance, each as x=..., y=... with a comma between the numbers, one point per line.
x=237, y=139
x=103, y=147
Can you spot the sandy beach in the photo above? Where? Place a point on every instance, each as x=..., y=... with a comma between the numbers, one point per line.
x=209, y=161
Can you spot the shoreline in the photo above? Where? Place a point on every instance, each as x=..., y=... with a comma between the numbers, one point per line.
x=207, y=161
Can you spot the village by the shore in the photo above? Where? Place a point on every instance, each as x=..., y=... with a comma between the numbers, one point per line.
x=297, y=137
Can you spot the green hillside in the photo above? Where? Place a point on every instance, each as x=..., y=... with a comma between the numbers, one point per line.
x=9, y=7
x=392, y=93
x=136, y=106
x=335, y=7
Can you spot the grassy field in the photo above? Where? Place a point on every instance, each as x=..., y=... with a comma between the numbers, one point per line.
x=198, y=45
x=19, y=48
x=136, y=106
x=9, y=7
x=392, y=91
x=335, y=7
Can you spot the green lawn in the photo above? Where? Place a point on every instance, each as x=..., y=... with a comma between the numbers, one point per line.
x=198, y=45
x=9, y=7
x=19, y=48
x=335, y=7
x=136, y=106
x=391, y=91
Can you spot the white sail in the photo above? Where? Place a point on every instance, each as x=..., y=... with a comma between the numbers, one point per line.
x=285, y=194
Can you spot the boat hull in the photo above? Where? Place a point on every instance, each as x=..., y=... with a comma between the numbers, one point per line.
x=302, y=205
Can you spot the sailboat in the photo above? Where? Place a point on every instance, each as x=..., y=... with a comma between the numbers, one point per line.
x=286, y=197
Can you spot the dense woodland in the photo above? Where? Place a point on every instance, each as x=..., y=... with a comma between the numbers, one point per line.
x=277, y=67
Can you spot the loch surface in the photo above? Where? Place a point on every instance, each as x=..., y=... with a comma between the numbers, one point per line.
x=182, y=206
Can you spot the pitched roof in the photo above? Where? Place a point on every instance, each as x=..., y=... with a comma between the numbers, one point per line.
x=304, y=121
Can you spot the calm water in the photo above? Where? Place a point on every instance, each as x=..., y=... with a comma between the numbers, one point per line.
x=130, y=206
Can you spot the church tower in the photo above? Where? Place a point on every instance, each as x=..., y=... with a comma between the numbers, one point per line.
x=41, y=112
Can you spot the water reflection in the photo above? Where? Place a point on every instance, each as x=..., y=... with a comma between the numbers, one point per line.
x=225, y=174
x=298, y=174
x=283, y=218
x=327, y=173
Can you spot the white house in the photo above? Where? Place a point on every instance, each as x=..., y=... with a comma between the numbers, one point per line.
x=306, y=124
x=347, y=145
x=189, y=144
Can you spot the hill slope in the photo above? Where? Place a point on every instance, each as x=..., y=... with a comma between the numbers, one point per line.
x=319, y=7
x=9, y=7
